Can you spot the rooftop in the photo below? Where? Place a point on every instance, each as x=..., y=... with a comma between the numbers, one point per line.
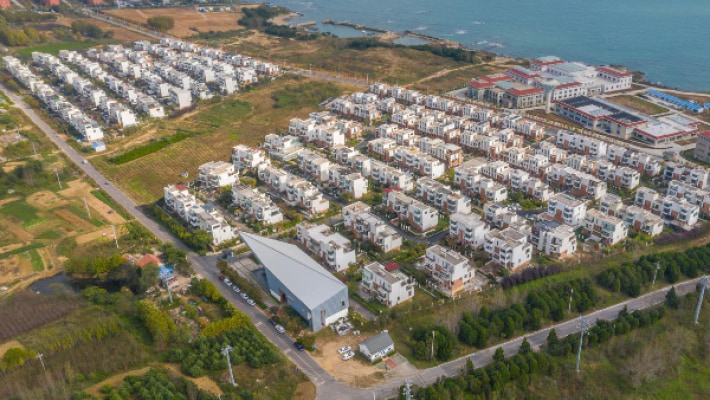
x=295, y=270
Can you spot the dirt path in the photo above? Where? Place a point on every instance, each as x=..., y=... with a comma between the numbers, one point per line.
x=203, y=383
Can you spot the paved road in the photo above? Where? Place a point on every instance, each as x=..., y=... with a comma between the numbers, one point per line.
x=327, y=386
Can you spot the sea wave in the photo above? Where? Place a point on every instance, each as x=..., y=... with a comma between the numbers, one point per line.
x=479, y=22
x=461, y=32
x=421, y=12
x=420, y=28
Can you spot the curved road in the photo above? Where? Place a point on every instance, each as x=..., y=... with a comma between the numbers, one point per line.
x=327, y=386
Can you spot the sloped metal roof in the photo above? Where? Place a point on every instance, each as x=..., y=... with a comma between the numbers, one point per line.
x=312, y=284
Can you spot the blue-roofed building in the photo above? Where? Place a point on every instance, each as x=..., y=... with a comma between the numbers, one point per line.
x=98, y=146
x=296, y=279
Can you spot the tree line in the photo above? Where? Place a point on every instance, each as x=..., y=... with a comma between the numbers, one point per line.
x=488, y=382
x=629, y=278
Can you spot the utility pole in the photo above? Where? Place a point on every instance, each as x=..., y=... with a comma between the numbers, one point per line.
x=115, y=237
x=433, y=335
x=705, y=282
x=582, y=326
x=58, y=181
x=569, y=306
x=225, y=352
x=167, y=287
x=87, y=208
x=40, y=356
x=34, y=149
x=655, y=273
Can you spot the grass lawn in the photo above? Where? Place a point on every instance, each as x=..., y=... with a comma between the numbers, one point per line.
x=22, y=211
x=690, y=156
x=54, y=48
x=456, y=78
x=638, y=104
x=334, y=56
x=36, y=260
x=246, y=119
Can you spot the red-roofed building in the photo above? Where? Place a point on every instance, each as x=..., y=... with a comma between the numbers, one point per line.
x=4, y=3
x=94, y=2
x=50, y=3
x=523, y=97
x=149, y=259
x=522, y=75
x=391, y=266
x=540, y=63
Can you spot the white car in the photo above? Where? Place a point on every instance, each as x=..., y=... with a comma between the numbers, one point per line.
x=344, y=350
x=348, y=356
x=235, y=288
x=245, y=296
x=280, y=329
x=251, y=302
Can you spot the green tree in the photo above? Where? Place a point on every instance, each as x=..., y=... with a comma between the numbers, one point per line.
x=525, y=347
x=499, y=356
x=161, y=23
x=672, y=298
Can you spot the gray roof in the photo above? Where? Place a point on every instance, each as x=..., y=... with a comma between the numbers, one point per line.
x=304, y=277
x=378, y=342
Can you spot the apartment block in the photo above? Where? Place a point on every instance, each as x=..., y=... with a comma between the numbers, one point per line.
x=178, y=199
x=554, y=239
x=609, y=230
x=677, y=212
x=247, y=157
x=421, y=217
x=442, y=197
x=645, y=197
x=450, y=272
x=217, y=174
x=643, y=221
x=304, y=195
x=208, y=218
x=468, y=229
x=388, y=287
x=366, y=226
x=282, y=148
x=256, y=205
x=332, y=248
x=508, y=248
x=566, y=209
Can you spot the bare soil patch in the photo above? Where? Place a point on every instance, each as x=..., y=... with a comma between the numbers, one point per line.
x=185, y=18
x=75, y=224
x=106, y=232
x=305, y=391
x=10, y=166
x=45, y=200
x=356, y=371
x=9, y=200
x=14, y=268
x=120, y=34
x=15, y=229
x=80, y=190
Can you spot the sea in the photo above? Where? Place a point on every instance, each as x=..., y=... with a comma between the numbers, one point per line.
x=668, y=40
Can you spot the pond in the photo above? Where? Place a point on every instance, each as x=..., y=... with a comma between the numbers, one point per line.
x=61, y=283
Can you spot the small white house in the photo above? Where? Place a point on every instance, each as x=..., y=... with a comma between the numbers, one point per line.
x=377, y=347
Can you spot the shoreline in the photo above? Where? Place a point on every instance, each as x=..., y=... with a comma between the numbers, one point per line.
x=391, y=35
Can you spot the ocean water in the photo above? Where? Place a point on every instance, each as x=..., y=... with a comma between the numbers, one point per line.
x=668, y=40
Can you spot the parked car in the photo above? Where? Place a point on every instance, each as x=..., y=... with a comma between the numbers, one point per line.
x=273, y=321
x=228, y=282
x=280, y=329
x=298, y=346
x=348, y=356
x=236, y=288
x=344, y=350
x=251, y=302
x=245, y=296
x=222, y=278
